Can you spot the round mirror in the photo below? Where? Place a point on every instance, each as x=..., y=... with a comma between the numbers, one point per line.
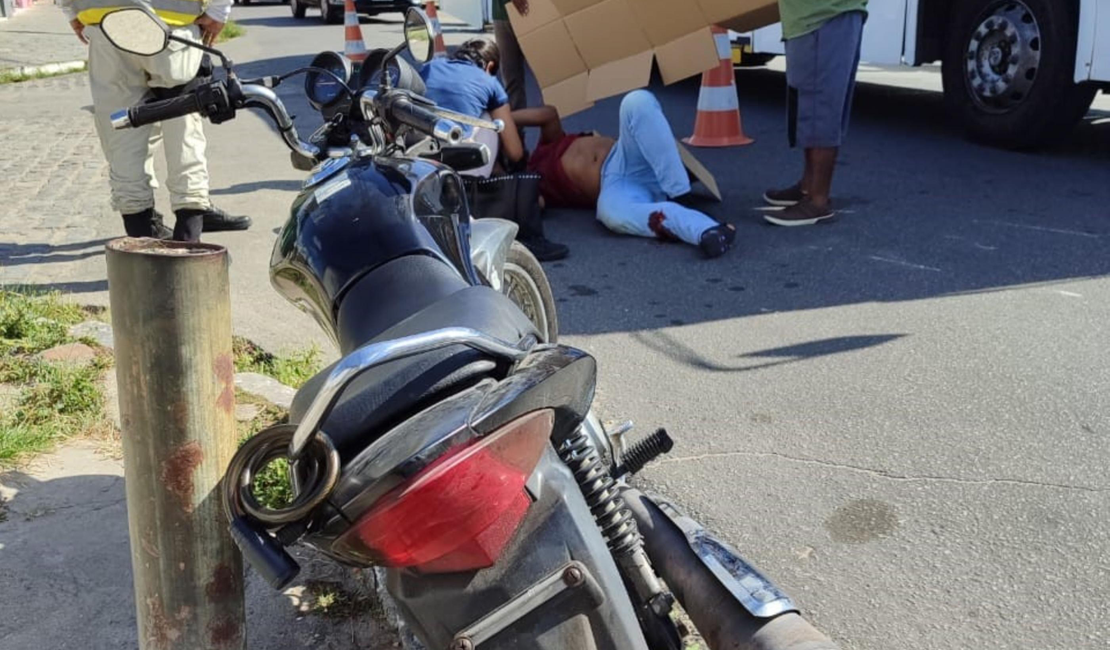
x=420, y=35
x=135, y=30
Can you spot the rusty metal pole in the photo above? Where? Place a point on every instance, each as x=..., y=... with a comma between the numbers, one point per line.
x=171, y=313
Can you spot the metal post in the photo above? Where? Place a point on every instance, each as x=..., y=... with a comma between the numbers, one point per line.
x=171, y=312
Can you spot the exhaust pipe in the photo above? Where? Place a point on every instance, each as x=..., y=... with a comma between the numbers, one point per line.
x=753, y=615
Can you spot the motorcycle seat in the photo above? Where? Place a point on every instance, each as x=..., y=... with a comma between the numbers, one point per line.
x=386, y=395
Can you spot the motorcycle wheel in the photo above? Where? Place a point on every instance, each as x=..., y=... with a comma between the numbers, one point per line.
x=526, y=285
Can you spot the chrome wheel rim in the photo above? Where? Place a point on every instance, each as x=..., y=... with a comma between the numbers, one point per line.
x=525, y=294
x=1004, y=57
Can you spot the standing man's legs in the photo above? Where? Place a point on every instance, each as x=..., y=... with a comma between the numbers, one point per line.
x=183, y=138
x=820, y=74
x=117, y=80
x=512, y=64
x=642, y=172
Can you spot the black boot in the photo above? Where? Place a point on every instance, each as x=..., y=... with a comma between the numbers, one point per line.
x=216, y=220
x=139, y=224
x=529, y=220
x=158, y=227
x=544, y=249
x=190, y=223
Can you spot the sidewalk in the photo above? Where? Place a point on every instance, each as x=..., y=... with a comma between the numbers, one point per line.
x=37, y=36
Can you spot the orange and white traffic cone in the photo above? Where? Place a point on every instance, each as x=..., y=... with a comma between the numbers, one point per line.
x=718, y=123
x=354, y=48
x=433, y=15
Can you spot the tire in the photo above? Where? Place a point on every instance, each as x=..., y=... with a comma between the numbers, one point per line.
x=297, y=8
x=1008, y=70
x=331, y=14
x=526, y=285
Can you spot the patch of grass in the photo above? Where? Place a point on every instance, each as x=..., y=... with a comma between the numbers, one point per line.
x=271, y=487
x=231, y=30
x=60, y=391
x=55, y=400
x=15, y=75
x=330, y=599
x=292, y=369
x=31, y=323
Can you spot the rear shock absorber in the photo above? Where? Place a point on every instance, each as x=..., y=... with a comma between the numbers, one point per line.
x=614, y=519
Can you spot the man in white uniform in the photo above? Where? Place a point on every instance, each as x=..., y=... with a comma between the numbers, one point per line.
x=118, y=80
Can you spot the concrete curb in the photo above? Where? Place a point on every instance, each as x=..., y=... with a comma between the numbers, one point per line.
x=47, y=68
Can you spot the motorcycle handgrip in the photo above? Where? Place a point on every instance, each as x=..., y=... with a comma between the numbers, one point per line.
x=425, y=121
x=150, y=112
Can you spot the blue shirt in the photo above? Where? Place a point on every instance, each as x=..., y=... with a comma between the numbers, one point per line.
x=462, y=87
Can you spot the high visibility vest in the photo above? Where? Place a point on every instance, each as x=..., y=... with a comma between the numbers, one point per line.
x=173, y=12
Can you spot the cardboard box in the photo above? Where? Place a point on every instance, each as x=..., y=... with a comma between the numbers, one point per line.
x=585, y=50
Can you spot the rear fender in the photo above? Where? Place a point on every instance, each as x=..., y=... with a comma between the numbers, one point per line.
x=490, y=241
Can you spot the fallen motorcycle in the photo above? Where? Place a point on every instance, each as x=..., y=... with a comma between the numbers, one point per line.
x=453, y=442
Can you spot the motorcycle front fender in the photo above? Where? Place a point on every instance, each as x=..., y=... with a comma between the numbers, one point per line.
x=490, y=241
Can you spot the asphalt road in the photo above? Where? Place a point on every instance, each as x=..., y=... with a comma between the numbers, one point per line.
x=903, y=416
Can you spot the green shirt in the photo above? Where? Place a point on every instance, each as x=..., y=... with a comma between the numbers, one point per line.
x=499, y=12
x=800, y=17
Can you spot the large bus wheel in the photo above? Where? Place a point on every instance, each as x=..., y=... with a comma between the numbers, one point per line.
x=1009, y=70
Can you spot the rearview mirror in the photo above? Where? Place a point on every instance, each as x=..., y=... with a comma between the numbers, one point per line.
x=135, y=30
x=420, y=35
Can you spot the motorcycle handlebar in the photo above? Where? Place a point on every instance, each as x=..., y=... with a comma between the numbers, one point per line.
x=497, y=126
x=220, y=102
x=425, y=121
x=148, y=113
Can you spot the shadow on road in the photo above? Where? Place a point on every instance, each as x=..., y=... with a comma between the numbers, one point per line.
x=671, y=347
x=91, y=286
x=243, y=188
x=27, y=254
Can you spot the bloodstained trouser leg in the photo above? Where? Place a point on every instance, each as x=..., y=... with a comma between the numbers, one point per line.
x=642, y=171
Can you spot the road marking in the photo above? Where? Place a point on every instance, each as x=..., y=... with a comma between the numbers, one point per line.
x=982, y=247
x=1025, y=226
x=1070, y=294
x=911, y=265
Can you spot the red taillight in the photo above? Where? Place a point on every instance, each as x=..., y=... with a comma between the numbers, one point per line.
x=458, y=513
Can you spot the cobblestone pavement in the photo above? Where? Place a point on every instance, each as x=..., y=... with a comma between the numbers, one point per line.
x=55, y=215
x=38, y=35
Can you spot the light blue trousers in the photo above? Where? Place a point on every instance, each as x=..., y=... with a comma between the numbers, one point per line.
x=642, y=171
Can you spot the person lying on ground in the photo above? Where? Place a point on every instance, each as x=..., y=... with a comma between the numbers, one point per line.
x=631, y=180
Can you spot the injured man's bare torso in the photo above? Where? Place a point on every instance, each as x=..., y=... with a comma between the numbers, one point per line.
x=583, y=160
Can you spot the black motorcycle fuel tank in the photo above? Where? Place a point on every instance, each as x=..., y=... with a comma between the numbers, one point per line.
x=354, y=215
